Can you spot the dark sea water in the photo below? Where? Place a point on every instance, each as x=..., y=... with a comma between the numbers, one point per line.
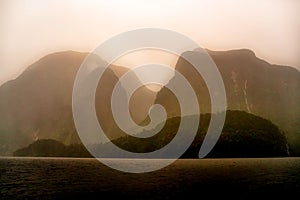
x=59, y=178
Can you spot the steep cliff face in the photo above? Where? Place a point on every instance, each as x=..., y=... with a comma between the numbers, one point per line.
x=38, y=104
x=251, y=85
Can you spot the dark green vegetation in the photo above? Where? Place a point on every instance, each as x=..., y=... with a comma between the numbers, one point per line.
x=244, y=135
x=52, y=148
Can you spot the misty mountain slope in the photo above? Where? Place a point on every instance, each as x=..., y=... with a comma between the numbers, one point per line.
x=251, y=85
x=141, y=100
x=38, y=104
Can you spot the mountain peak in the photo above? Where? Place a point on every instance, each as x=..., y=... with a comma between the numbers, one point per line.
x=58, y=57
x=237, y=55
x=235, y=52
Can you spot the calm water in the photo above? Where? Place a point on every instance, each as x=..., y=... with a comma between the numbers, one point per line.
x=54, y=178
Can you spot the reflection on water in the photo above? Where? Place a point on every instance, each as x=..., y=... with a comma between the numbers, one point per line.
x=59, y=177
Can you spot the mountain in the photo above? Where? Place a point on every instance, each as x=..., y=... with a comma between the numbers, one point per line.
x=251, y=84
x=38, y=104
x=141, y=100
x=244, y=135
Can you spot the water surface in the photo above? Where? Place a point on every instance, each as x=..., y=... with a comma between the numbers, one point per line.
x=51, y=178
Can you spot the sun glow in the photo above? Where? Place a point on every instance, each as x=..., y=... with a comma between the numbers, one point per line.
x=149, y=56
x=32, y=29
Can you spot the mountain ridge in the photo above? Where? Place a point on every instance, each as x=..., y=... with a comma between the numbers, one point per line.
x=38, y=103
x=251, y=84
x=18, y=122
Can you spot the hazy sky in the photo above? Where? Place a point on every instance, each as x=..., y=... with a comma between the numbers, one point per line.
x=30, y=29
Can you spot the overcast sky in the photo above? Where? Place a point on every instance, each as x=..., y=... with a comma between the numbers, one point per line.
x=30, y=29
